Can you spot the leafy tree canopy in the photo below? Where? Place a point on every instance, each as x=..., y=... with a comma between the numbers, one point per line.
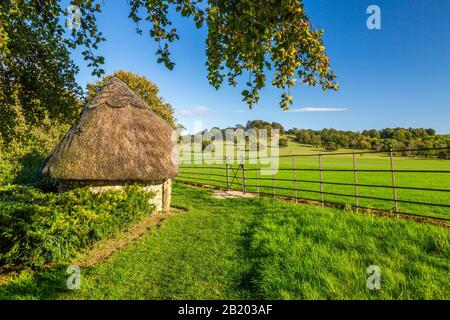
x=143, y=87
x=36, y=72
x=245, y=38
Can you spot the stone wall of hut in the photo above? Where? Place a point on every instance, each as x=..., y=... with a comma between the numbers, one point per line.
x=162, y=191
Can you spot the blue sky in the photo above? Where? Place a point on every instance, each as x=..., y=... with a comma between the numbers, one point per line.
x=398, y=76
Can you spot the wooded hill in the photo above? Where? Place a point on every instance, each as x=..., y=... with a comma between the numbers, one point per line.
x=414, y=139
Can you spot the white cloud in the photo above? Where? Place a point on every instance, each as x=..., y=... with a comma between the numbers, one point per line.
x=198, y=111
x=318, y=109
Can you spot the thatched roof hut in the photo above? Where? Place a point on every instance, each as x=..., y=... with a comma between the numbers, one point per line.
x=117, y=139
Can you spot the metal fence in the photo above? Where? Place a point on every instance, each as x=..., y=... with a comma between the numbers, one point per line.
x=360, y=180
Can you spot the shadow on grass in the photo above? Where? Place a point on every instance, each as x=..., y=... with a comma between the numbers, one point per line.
x=43, y=285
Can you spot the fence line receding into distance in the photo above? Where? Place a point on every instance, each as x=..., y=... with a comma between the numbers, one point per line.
x=294, y=181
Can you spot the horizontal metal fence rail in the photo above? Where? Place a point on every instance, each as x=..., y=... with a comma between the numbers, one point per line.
x=394, y=151
x=236, y=177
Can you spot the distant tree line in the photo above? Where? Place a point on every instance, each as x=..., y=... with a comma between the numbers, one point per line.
x=378, y=140
x=261, y=124
x=207, y=136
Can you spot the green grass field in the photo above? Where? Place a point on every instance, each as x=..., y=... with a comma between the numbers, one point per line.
x=259, y=248
x=201, y=174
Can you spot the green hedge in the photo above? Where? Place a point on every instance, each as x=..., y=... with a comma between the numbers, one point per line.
x=22, y=154
x=38, y=228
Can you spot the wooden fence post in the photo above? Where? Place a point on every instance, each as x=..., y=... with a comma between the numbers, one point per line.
x=228, y=174
x=321, y=181
x=273, y=178
x=394, y=188
x=257, y=174
x=188, y=170
x=295, y=178
x=355, y=176
x=211, y=176
x=243, y=174
x=195, y=174
x=202, y=173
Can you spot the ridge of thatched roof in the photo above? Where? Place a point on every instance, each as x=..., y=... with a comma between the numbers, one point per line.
x=116, y=138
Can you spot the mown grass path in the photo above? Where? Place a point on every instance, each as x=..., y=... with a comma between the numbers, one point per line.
x=260, y=248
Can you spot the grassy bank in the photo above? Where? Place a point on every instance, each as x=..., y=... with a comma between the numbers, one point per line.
x=260, y=248
x=306, y=189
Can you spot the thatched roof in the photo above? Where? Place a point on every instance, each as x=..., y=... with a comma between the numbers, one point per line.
x=117, y=138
